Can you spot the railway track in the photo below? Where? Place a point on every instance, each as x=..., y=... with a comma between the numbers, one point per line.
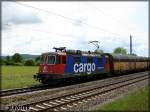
x=22, y=90
x=63, y=103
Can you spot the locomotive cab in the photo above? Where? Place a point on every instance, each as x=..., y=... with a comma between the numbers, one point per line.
x=51, y=66
x=47, y=64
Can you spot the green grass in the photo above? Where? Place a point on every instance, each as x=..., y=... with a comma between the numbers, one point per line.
x=136, y=101
x=18, y=76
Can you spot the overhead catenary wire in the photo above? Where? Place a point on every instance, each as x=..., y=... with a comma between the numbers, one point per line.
x=68, y=18
x=43, y=31
x=48, y=13
x=47, y=32
x=53, y=33
x=112, y=18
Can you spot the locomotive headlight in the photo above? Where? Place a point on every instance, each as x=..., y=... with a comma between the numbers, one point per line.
x=45, y=69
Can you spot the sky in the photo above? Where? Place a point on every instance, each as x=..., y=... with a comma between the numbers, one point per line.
x=37, y=27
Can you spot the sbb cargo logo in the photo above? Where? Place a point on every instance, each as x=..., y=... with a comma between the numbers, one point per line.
x=84, y=67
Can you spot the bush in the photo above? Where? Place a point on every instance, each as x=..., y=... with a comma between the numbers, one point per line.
x=1, y=62
x=17, y=58
x=9, y=63
x=38, y=63
x=29, y=62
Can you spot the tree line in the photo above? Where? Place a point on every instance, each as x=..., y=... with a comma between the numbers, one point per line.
x=18, y=60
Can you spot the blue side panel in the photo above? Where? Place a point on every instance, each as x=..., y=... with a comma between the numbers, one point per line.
x=69, y=69
x=83, y=59
x=104, y=60
x=95, y=60
x=99, y=66
x=69, y=65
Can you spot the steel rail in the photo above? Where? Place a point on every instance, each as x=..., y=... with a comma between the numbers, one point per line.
x=22, y=90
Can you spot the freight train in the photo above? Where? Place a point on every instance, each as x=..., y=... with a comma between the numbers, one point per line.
x=70, y=64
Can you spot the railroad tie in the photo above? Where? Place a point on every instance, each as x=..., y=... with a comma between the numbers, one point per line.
x=77, y=96
x=40, y=106
x=68, y=98
x=69, y=106
x=88, y=92
x=32, y=108
x=88, y=99
x=56, y=110
x=96, y=96
x=93, y=98
x=83, y=93
x=53, y=103
x=75, y=104
x=80, y=94
x=24, y=110
x=59, y=101
x=63, y=108
x=84, y=101
x=65, y=100
x=80, y=102
x=74, y=97
x=99, y=95
x=47, y=104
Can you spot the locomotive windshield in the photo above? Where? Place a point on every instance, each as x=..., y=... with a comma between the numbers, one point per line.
x=48, y=59
x=51, y=59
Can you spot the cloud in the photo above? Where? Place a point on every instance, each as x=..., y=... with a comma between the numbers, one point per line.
x=80, y=21
x=58, y=31
x=13, y=14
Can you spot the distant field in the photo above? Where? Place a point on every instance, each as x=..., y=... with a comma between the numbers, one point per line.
x=18, y=76
x=136, y=101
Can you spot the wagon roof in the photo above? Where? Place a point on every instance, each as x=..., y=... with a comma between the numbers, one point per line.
x=128, y=57
x=118, y=56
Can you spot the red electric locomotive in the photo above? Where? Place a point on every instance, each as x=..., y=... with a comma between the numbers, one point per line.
x=67, y=64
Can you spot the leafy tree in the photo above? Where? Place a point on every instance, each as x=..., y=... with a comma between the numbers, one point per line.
x=29, y=62
x=37, y=59
x=1, y=61
x=17, y=58
x=8, y=60
x=120, y=50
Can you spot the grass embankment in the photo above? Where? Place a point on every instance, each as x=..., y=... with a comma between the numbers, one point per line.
x=136, y=101
x=18, y=76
